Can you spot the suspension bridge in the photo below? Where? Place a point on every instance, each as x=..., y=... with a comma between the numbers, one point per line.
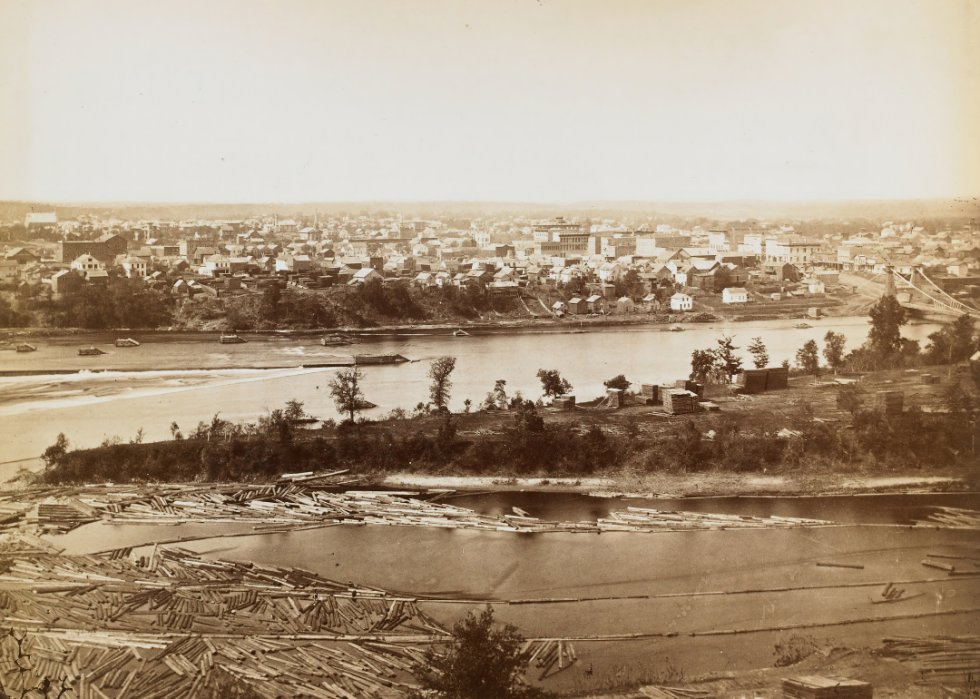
x=920, y=293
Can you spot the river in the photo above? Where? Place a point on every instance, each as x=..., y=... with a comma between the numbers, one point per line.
x=188, y=377
x=683, y=583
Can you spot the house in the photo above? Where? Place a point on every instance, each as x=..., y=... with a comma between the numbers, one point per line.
x=40, y=219
x=734, y=295
x=86, y=264
x=578, y=306
x=22, y=256
x=297, y=264
x=559, y=308
x=611, y=271
x=624, y=306
x=650, y=303
x=480, y=277
x=424, y=279
x=681, y=302
x=816, y=287
x=364, y=275
x=782, y=271
x=595, y=304
x=134, y=267
x=67, y=282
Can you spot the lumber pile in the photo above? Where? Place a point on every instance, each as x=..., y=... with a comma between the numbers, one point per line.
x=816, y=687
x=890, y=402
x=952, y=518
x=940, y=659
x=158, y=624
x=679, y=402
x=640, y=519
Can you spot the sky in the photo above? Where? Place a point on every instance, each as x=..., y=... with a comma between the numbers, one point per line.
x=488, y=100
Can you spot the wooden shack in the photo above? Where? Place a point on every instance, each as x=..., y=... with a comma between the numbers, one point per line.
x=752, y=380
x=890, y=402
x=776, y=378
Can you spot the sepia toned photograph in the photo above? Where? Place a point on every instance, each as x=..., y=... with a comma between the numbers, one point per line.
x=489, y=349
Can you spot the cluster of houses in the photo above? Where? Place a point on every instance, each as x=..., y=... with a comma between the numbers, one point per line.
x=602, y=267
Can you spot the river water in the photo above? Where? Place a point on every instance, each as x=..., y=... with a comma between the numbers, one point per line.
x=188, y=377
x=684, y=583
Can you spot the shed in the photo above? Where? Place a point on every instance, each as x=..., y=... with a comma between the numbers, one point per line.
x=734, y=295
x=577, y=305
x=625, y=306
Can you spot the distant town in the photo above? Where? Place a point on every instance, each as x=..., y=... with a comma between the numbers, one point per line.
x=203, y=272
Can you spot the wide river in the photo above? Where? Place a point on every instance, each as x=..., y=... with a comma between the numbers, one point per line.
x=690, y=585
x=188, y=377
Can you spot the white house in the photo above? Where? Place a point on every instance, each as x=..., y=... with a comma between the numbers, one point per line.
x=733, y=295
x=86, y=264
x=681, y=302
x=817, y=287
x=135, y=267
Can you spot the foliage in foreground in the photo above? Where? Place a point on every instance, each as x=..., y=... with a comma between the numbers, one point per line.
x=481, y=661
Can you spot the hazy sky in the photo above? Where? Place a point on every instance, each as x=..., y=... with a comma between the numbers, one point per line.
x=506, y=100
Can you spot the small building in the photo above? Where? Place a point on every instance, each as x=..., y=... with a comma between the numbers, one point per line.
x=364, y=275
x=559, y=308
x=816, y=287
x=578, y=306
x=67, y=282
x=22, y=256
x=86, y=264
x=595, y=304
x=681, y=302
x=734, y=295
x=624, y=306
x=134, y=267
x=782, y=271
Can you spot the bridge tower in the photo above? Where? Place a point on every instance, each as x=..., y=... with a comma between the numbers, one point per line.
x=889, y=282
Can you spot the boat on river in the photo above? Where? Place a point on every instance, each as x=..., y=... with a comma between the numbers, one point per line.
x=232, y=339
x=127, y=342
x=802, y=326
x=360, y=359
x=338, y=340
x=89, y=351
x=460, y=333
x=25, y=347
x=675, y=329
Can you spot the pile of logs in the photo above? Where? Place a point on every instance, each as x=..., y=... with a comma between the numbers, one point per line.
x=952, y=518
x=639, y=519
x=122, y=625
x=293, y=505
x=550, y=655
x=941, y=659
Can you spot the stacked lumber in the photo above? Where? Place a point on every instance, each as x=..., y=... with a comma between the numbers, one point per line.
x=650, y=393
x=678, y=402
x=890, y=402
x=952, y=518
x=929, y=379
x=640, y=519
x=777, y=378
x=752, y=380
x=940, y=659
x=816, y=687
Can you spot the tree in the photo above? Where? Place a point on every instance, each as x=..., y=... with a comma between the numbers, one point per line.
x=808, y=358
x=702, y=366
x=480, y=662
x=760, y=355
x=833, y=350
x=887, y=319
x=345, y=387
x=725, y=359
x=294, y=410
x=439, y=372
x=553, y=384
x=619, y=382
x=175, y=431
x=953, y=343
x=56, y=451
